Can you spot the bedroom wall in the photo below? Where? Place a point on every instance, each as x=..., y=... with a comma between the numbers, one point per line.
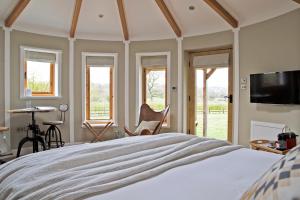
x=82, y=134
x=169, y=45
x=19, y=38
x=273, y=45
x=207, y=41
x=1, y=77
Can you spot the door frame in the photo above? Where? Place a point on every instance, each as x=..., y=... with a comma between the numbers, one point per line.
x=191, y=87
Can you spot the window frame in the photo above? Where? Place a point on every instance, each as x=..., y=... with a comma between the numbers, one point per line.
x=51, y=93
x=113, y=89
x=140, y=87
x=88, y=94
x=146, y=70
x=55, y=74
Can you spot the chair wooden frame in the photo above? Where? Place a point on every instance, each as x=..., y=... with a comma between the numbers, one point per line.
x=148, y=114
x=98, y=135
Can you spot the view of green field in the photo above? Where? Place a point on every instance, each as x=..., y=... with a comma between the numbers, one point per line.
x=217, y=122
x=216, y=90
x=38, y=79
x=99, y=93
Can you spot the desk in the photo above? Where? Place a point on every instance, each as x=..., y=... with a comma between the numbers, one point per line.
x=36, y=138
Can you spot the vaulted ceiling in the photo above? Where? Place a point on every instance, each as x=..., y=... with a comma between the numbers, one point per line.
x=137, y=19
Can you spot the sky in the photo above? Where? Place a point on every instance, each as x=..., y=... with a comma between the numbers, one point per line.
x=218, y=79
x=100, y=75
x=40, y=71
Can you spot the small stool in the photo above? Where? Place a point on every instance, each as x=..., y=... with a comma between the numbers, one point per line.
x=53, y=131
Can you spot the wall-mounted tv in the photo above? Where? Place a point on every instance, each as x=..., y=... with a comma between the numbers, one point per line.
x=275, y=87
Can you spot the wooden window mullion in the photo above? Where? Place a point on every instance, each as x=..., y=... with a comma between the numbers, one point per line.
x=88, y=108
x=52, y=79
x=111, y=93
x=25, y=75
x=166, y=87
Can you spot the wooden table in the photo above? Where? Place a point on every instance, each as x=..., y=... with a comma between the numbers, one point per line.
x=2, y=129
x=264, y=145
x=35, y=138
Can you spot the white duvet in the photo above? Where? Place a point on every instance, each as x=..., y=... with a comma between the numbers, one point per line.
x=166, y=166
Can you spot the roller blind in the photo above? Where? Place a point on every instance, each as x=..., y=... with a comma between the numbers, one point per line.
x=40, y=56
x=100, y=60
x=149, y=61
x=216, y=60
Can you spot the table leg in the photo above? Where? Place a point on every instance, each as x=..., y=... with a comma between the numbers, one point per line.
x=42, y=141
x=21, y=143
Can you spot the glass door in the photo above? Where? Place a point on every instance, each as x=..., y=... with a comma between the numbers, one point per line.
x=210, y=100
x=211, y=103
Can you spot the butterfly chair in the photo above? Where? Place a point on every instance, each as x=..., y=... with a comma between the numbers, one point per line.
x=149, y=115
x=98, y=135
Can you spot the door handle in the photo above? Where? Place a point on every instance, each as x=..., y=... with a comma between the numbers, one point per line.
x=230, y=98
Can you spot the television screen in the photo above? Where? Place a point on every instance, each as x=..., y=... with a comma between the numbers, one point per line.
x=275, y=88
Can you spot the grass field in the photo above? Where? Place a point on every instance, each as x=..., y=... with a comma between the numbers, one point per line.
x=217, y=125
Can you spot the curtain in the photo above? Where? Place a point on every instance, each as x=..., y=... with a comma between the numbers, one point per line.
x=100, y=60
x=40, y=56
x=211, y=61
x=149, y=61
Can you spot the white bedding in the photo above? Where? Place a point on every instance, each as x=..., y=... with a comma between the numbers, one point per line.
x=76, y=172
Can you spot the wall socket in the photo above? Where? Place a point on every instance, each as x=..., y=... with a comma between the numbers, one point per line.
x=243, y=86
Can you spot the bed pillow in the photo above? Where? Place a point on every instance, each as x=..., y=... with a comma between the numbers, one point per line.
x=146, y=125
x=281, y=181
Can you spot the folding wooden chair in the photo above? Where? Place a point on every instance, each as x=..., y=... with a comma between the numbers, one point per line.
x=98, y=135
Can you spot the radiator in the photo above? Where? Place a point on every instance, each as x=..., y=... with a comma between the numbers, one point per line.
x=265, y=130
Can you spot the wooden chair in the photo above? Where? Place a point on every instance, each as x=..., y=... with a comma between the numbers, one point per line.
x=98, y=135
x=147, y=114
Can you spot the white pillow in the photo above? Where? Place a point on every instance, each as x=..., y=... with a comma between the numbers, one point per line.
x=150, y=125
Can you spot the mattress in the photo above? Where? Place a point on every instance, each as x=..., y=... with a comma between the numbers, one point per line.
x=167, y=166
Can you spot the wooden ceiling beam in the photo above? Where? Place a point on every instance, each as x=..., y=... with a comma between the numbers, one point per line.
x=75, y=18
x=123, y=19
x=164, y=9
x=297, y=1
x=21, y=5
x=222, y=12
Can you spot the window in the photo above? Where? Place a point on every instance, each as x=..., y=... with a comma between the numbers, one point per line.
x=100, y=88
x=154, y=87
x=39, y=72
x=39, y=78
x=99, y=93
x=153, y=78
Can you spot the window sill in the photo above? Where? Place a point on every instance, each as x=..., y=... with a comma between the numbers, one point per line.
x=40, y=97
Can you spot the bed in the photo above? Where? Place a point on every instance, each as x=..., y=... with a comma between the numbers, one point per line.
x=167, y=166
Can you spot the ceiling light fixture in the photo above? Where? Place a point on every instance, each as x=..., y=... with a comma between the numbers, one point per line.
x=191, y=7
x=100, y=15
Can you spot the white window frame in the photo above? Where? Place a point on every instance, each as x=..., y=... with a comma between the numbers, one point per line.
x=115, y=85
x=139, y=82
x=58, y=67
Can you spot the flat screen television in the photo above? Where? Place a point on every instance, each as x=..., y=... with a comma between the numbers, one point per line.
x=275, y=87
